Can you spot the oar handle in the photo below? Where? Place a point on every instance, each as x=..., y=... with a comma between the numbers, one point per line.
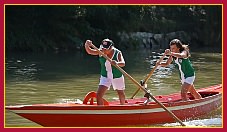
x=152, y=71
x=148, y=76
x=132, y=79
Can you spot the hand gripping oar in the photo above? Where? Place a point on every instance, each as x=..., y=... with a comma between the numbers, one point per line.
x=148, y=76
x=133, y=80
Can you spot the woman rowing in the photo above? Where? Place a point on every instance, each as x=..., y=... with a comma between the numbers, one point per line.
x=179, y=54
x=109, y=74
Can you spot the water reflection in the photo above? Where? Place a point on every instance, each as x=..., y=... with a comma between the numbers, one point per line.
x=21, y=70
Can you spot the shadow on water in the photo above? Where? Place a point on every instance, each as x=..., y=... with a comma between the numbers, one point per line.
x=54, y=66
x=49, y=66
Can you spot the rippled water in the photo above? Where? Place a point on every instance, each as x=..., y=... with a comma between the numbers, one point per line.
x=64, y=77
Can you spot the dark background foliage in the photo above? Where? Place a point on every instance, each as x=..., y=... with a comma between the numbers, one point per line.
x=41, y=28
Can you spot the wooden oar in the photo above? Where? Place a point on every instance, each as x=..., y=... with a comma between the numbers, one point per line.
x=133, y=80
x=148, y=76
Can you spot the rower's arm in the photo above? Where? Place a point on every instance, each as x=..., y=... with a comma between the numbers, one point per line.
x=183, y=54
x=164, y=64
x=88, y=48
x=121, y=61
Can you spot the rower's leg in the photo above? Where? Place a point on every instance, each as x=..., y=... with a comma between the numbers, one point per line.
x=121, y=95
x=184, y=89
x=100, y=93
x=193, y=91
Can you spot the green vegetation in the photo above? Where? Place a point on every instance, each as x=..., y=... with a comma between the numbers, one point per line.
x=42, y=28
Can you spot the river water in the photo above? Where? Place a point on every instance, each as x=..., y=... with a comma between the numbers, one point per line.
x=62, y=77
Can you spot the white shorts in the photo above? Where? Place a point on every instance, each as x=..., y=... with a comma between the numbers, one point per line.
x=188, y=80
x=117, y=83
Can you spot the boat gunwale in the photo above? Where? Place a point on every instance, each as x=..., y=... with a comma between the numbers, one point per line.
x=111, y=107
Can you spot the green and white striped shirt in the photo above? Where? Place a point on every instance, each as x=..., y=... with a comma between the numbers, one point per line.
x=107, y=70
x=185, y=67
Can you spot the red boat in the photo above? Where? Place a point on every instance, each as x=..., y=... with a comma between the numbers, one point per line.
x=134, y=112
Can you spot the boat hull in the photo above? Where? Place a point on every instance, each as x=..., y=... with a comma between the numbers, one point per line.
x=135, y=112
